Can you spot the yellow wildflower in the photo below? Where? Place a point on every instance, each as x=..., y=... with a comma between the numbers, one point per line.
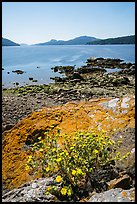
x=119, y=142
x=104, y=143
x=61, y=153
x=111, y=142
x=63, y=191
x=73, y=172
x=65, y=151
x=118, y=155
x=54, y=149
x=69, y=192
x=27, y=167
x=79, y=172
x=128, y=153
x=47, y=169
x=95, y=151
x=103, y=131
x=49, y=188
x=41, y=150
x=58, y=160
x=58, y=179
x=29, y=158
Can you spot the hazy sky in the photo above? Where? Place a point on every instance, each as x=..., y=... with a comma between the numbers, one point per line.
x=35, y=22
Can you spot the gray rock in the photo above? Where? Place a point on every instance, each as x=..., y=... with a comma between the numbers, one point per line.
x=111, y=104
x=31, y=192
x=123, y=104
x=34, y=185
x=114, y=195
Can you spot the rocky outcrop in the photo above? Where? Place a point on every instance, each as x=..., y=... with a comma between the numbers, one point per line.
x=110, y=114
x=90, y=69
x=63, y=69
x=107, y=63
x=114, y=195
x=98, y=65
x=123, y=182
x=34, y=191
x=128, y=70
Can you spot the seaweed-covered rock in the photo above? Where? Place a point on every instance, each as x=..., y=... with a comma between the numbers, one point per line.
x=63, y=69
x=104, y=63
x=120, y=81
x=57, y=79
x=30, y=78
x=18, y=71
x=76, y=75
x=90, y=69
x=128, y=70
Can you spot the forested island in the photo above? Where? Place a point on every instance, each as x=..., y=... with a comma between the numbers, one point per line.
x=82, y=40
x=6, y=42
x=118, y=40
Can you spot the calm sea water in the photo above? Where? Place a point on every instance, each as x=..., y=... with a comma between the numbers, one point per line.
x=28, y=58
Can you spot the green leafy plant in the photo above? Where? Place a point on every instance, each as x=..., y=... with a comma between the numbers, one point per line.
x=70, y=158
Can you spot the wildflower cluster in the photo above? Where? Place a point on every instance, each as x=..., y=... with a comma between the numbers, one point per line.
x=82, y=153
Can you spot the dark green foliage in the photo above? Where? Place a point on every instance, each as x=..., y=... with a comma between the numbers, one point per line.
x=118, y=40
x=6, y=42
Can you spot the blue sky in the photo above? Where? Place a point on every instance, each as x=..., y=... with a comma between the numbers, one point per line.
x=35, y=22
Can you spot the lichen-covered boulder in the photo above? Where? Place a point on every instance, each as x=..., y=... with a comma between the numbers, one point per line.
x=110, y=114
x=114, y=195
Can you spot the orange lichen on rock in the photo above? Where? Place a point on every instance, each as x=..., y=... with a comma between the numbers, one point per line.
x=97, y=114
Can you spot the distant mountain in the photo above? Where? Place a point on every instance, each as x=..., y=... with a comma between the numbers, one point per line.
x=82, y=40
x=119, y=40
x=52, y=42
x=23, y=44
x=6, y=42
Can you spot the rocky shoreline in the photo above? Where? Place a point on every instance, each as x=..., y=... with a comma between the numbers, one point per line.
x=84, y=83
x=90, y=82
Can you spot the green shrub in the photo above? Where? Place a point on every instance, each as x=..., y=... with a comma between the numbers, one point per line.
x=72, y=159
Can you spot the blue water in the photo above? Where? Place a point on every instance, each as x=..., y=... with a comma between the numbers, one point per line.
x=28, y=58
